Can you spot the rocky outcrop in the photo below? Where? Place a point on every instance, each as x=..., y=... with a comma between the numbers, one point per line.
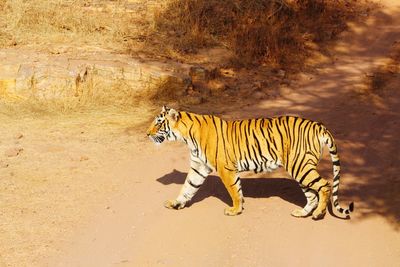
x=25, y=74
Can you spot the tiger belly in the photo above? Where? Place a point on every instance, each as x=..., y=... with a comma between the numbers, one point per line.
x=256, y=166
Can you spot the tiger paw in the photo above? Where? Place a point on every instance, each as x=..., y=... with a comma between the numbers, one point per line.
x=232, y=211
x=318, y=215
x=173, y=204
x=300, y=213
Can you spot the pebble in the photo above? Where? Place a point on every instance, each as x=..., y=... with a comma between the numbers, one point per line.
x=19, y=136
x=3, y=164
x=84, y=158
x=13, y=152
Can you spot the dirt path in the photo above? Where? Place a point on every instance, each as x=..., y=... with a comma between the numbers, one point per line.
x=89, y=191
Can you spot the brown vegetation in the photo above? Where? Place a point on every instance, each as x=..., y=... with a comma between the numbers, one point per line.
x=278, y=33
x=266, y=35
x=34, y=22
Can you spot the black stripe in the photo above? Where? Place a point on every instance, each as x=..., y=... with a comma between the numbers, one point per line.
x=173, y=135
x=246, y=138
x=243, y=138
x=197, y=119
x=196, y=171
x=271, y=135
x=295, y=145
x=193, y=185
x=282, y=141
x=233, y=141
x=205, y=153
x=189, y=116
x=223, y=140
x=184, y=123
x=229, y=140
x=267, y=141
x=335, y=193
x=336, y=163
x=196, y=145
x=226, y=168
x=297, y=169
x=259, y=147
x=205, y=120
x=314, y=181
x=304, y=176
x=286, y=125
x=322, y=186
x=237, y=180
x=351, y=206
x=216, y=135
x=315, y=135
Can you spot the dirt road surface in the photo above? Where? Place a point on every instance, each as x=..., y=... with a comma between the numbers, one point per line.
x=88, y=189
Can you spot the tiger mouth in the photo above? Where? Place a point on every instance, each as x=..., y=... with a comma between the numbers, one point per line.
x=158, y=139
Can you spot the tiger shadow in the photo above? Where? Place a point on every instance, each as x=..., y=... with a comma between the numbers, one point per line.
x=284, y=188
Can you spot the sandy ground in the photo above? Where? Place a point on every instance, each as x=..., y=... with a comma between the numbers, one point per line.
x=88, y=189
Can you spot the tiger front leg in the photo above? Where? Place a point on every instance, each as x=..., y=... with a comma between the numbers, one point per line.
x=195, y=178
x=232, y=183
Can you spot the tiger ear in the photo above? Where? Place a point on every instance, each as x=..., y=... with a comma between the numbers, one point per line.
x=173, y=114
x=164, y=109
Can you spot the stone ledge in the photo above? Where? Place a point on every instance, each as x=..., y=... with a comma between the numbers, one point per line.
x=26, y=73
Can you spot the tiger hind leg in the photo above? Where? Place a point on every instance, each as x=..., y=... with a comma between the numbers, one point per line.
x=314, y=181
x=312, y=203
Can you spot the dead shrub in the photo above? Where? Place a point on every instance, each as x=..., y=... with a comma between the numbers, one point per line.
x=258, y=31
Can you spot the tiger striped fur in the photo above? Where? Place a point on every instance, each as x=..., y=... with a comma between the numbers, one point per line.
x=231, y=147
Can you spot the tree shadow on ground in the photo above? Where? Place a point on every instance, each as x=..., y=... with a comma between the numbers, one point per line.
x=365, y=124
x=284, y=188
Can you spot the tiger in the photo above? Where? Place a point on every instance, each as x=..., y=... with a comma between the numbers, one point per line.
x=229, y=147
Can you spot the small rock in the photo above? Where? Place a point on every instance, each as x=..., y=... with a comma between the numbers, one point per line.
x=369, y=74
x=257, y=85
x=19, y=136
x=281, y=73
x=258, y=95
x=13, y=152
x=3, y=164
x=198, y=74
x=193, y=100
x=217, y=86
x=84, y=158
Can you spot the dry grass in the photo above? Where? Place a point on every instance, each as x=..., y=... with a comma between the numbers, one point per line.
x=27, y=22
x=93, y=95
x=276, y=33
x=97, y=93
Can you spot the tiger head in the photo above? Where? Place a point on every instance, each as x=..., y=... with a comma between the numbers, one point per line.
x=163, y=126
